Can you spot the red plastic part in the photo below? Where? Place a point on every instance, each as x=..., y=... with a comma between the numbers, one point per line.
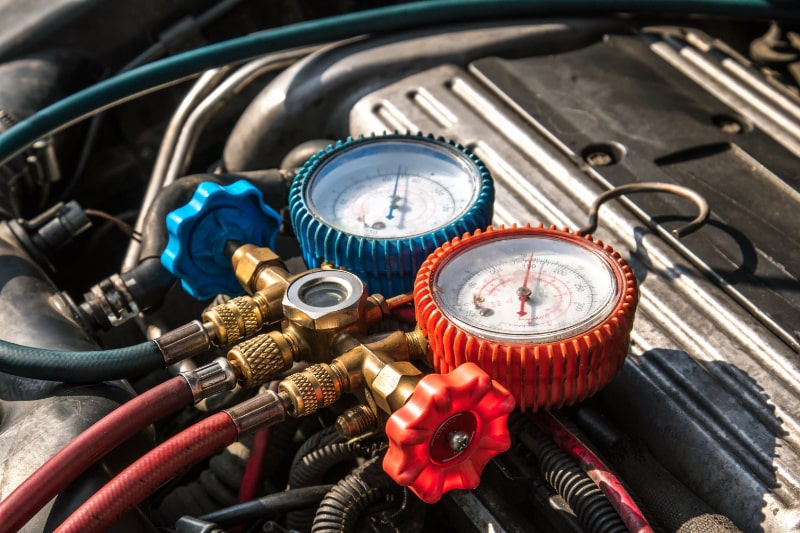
x=89, y=447
x=465, y=402
x=540, y=376
x=131, y=486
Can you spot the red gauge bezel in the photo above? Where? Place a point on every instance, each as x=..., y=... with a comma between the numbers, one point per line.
x=539, y=375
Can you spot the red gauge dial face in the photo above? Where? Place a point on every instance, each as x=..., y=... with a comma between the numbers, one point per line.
x=526, y=289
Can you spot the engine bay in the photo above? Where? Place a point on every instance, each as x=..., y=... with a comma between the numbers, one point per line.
x=510, y=270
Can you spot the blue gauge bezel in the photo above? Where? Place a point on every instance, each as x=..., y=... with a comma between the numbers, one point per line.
x=387, y=265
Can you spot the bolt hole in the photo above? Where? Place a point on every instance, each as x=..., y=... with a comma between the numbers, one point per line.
x=730, y=125
x=603, y=154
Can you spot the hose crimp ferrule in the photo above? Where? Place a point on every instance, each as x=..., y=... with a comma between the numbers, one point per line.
x=183, y=342
x=208, y=380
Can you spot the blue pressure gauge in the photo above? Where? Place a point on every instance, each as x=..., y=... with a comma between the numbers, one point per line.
x=378, y=206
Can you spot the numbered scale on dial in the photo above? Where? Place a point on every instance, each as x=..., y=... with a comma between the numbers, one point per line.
x=546, y=312
x=378, y=206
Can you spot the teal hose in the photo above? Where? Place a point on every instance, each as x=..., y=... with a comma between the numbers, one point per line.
x=80, y=367
x=387, y=19
x=136, y=360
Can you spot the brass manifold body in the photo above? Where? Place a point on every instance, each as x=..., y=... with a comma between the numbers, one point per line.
x=333, y=337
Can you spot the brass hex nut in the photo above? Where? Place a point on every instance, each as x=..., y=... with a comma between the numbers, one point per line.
x=248, y=260
x=325, y=300
x=394, y=384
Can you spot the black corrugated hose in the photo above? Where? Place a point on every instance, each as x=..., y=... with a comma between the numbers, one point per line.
x=344, y=504
x=567, y=479
x=310, y=467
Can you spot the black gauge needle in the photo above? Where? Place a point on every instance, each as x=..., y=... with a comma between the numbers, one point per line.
x=390, y=216
x=524, y=292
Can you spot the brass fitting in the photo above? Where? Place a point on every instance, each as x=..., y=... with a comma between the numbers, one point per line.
x=315, y=387
x=261, y=358
x=381, y=365
x=235, y=319
x=250, y=261
x=356, y=421
x=321, y=305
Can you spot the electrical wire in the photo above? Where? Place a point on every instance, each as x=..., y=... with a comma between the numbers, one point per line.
x=269, y=505
x=632, y=516
x=171, y=70
x=131, y=486
x=89, y=447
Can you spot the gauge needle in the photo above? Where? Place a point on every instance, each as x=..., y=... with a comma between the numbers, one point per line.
x=390, y=216
x=524, y=292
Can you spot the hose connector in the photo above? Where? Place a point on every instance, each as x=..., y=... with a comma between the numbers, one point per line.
x=183, y=342
x=315, y=387
x=208, y=380
x=234, y=320
x=261, y=358
x=264, y=410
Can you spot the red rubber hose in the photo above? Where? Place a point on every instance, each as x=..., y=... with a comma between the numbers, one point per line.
x=89, y=447
x=617, y=494
x=131, y=486
x=254, y=471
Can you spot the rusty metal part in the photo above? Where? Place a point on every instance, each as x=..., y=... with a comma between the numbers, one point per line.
x=183, y=342
x=633, y=188
x=261, y=358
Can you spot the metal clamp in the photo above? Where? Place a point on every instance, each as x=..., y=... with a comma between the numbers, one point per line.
x=632, y=188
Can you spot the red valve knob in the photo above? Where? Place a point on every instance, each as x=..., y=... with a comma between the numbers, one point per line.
x=448, y=430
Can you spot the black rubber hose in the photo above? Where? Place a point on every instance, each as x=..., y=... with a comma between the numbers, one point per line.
x=311, y=469
x=569, y=480
x=269, y=505
x=344, y=504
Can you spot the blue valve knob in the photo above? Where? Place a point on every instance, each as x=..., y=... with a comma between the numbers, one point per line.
x=379, y=205
x=200, y=230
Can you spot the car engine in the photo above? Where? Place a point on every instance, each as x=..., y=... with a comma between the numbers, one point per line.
x=384, y=266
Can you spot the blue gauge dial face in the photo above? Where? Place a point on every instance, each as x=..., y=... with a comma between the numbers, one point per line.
x=393, y=188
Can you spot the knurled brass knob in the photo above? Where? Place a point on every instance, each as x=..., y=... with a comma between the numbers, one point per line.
x=261, y=358
x=235, y=319
x=315, y=387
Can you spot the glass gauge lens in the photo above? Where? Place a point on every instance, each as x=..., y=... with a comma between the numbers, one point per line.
x=393, y=188
x=526, y=289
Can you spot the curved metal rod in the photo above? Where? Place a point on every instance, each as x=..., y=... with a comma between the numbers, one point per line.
x=702, y=205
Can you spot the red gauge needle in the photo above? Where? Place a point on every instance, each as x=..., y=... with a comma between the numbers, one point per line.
x=524, y=292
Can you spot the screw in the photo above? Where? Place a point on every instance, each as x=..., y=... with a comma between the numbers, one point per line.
x=458, y=441
x=599, y=159
x=730, y=126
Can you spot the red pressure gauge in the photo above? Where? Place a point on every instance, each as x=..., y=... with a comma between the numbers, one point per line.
x=546, y=312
